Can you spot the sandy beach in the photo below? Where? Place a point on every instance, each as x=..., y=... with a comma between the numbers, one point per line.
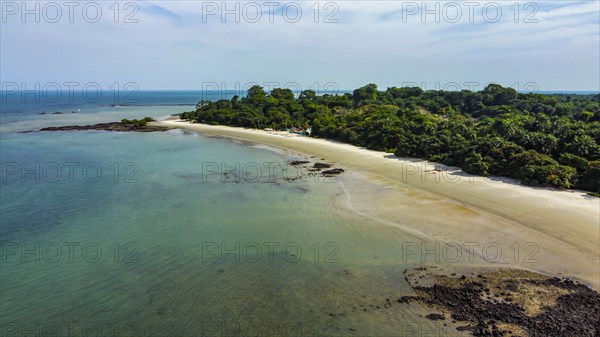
x=540, y=229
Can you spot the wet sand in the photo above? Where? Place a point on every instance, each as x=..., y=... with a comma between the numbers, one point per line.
x=510, y=225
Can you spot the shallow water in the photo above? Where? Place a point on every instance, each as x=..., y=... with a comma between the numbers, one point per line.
x=128, y=234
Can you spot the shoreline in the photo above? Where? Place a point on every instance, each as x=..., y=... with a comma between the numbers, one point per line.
x=564, y=225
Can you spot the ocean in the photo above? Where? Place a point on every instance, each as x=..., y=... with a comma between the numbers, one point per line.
x=178, y=234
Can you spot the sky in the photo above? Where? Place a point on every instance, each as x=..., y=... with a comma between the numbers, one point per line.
x=175, y=45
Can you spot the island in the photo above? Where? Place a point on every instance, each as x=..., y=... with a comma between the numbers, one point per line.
x=134, y=125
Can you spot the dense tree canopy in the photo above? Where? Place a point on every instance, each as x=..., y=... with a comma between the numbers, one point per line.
x=539, y=139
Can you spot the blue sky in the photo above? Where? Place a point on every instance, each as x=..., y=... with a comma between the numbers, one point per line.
x=185, y=45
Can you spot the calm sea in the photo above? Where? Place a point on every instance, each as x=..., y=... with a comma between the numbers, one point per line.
x=171, y=234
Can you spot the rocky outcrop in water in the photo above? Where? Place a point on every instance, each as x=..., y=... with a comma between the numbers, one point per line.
x=114, y=126
x=510, y=303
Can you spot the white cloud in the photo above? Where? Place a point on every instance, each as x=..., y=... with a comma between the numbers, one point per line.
x=172, y=47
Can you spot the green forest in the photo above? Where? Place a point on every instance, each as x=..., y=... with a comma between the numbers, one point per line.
x=542, y=140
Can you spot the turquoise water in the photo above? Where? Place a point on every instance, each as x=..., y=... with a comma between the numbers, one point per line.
x=125, y=234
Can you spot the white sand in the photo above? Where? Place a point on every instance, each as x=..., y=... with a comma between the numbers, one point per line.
x=450, y=206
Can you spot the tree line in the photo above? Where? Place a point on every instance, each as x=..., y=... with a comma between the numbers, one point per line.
x=537, y=138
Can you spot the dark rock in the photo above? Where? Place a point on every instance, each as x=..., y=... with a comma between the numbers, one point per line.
x=574, y=314
x=321, y=165
x=331, y=172
x=435, y=317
